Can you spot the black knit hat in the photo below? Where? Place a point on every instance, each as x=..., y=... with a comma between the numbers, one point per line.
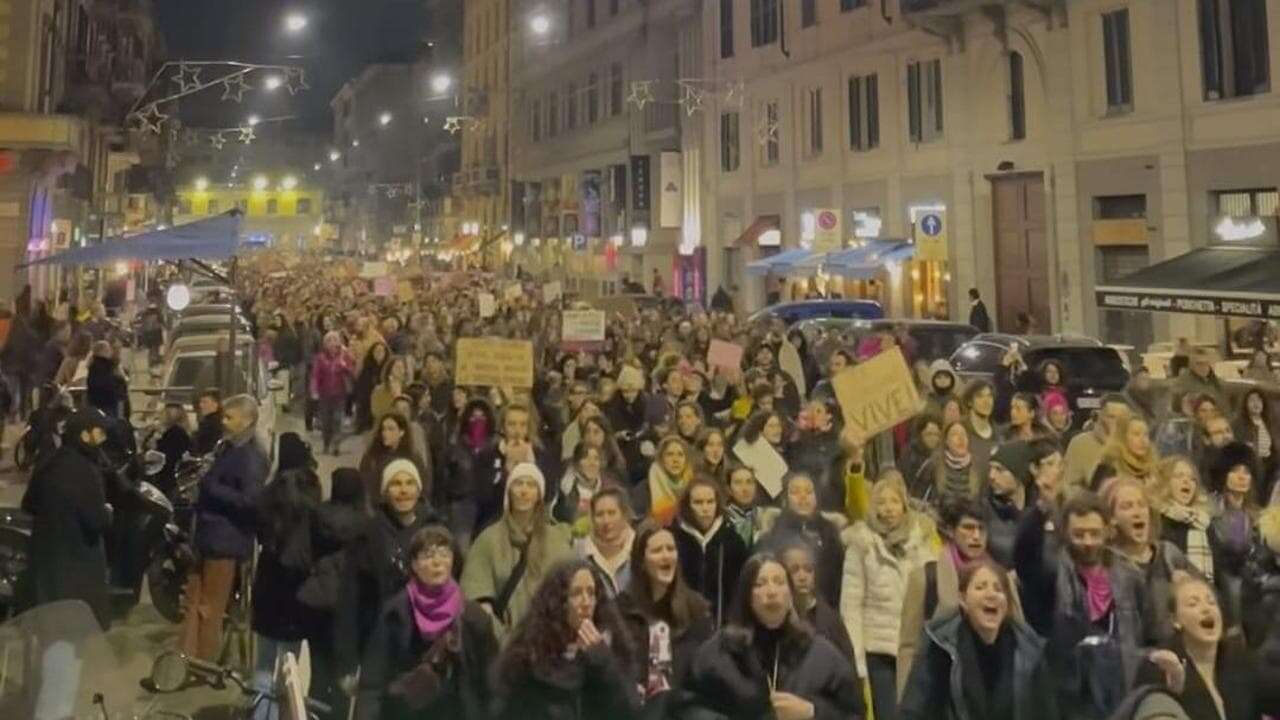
x=1227, y=457
x=294, y=453
x=347, y=486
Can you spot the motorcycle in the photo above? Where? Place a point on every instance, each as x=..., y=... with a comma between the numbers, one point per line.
x=41, y=435
x=173, y=557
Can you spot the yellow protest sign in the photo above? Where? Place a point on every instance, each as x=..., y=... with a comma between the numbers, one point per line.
x=877, y=394
x=404, y=291
x=501, y=363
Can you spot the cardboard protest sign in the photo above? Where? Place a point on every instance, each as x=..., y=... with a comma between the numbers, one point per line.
x=500, y=363
x=513, y=292
x=877, y=394
x=768, y=466
x=552, y=292
x=383, y=286
x=404, y=291
x=370, y=270
x=582, y=329
x=725, y=355
x=488, y=305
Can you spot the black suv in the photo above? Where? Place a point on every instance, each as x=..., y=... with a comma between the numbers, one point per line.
x=934, y=339
x=1092, y=369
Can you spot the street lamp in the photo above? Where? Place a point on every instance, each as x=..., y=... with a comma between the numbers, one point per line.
x=260, y=182
x=289, y=182
x=540, y=24
x=272, y=82
x=202, y=184
x=355, y=143
x=317, y=167
x=334, y=156
x=384, y=119
x=295, y=22
x=440, y=83
x=253, y=120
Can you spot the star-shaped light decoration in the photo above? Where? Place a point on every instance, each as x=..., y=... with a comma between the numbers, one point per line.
x=767, y=133
x=295, y=80
x=188, y=77
x=691, y=97
x=641, y=93
x=150, y=119
x=217, y=141
x=453, y=124
x=247, y=135
x=234, y=87
x=736, y=94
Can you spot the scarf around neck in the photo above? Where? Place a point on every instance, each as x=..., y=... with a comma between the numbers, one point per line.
x=434, y=609
x=664, y=494
x=895, y=539
x=957, y=462
x=1098, y=597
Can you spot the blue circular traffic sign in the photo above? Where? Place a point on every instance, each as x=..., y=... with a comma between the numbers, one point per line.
x=931, y=225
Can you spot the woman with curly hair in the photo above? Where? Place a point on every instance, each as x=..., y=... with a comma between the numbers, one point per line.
x=667, y=620
x=569, y=656
x=431, y=648
x=767, y=662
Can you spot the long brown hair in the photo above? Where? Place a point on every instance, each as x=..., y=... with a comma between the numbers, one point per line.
x=680, y=607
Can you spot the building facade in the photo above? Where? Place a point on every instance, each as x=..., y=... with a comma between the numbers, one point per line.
x=597, y=131
x=1032, y=150
x=69, y=170
x=282, y=211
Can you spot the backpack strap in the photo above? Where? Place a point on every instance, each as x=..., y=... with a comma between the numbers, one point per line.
x=930, y=589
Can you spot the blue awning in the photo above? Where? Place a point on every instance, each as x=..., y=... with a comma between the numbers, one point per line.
x=866, y=261
x=215, y=238
x=784, y=263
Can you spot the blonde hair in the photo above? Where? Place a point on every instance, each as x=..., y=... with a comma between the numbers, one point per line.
x=1112, y=489
x=1161, y=492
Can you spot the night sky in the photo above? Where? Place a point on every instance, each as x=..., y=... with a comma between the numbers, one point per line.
x=343, y=37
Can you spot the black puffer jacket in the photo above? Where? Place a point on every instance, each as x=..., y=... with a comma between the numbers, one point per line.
x=711, y=565
x=818, y=455
x=731, y=683
x=684, y=648
x=593, y=684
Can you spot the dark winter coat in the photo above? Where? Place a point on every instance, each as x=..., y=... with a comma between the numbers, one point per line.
x=630, y=427
x=1002, y=527
x=684, y=648
x=376, y=569
x=1248, y=682
x=286, y=559
x=67, y=503
x=104, y=388
x=827, y=623
x=824, y=537
x=396, y=649
x=711, y=566
x=1157, y=578
x=593, y=684
x=208, y=433
x=224, y=508
x=730, y=682
x=938, y=676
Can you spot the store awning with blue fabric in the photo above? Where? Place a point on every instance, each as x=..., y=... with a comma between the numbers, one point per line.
x=866, y=260
x=786, y=262
x=215, y=238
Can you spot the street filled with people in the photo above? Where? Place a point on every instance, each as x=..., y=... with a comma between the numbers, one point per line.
x=674, y=519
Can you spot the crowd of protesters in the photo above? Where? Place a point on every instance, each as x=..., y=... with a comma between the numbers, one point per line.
x=594, y=546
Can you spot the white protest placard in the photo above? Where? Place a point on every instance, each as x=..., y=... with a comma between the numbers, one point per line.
x=371, y=270
x=765, y=462
x=582, y=328
x=488, y=305
x=877, y=394
x=552, y=292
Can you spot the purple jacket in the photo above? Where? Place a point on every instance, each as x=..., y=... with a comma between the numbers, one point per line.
x=329, y=374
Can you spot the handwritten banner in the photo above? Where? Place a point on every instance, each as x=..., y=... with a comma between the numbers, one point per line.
x=877, y=394
x=582, y=329
x=498, y=363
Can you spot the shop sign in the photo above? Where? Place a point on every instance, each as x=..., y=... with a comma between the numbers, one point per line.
x=1261, y=309
x=640, y=183
x=671, y=177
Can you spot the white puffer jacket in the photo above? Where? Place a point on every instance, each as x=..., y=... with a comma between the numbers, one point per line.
x=875, y=583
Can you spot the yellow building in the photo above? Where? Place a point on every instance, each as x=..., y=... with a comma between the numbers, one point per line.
x=277, y=211
x=482, y=188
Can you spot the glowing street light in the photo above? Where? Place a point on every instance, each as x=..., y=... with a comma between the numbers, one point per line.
x=289, y=182
x=334, y=156
x=272, y=82
x=384, y=119
x=355, y=143
x=202, y=184
x=317, y=167
x=260, y=182
x=295, y=22
x=440, y=83
x=540, y=24
x=253, y=120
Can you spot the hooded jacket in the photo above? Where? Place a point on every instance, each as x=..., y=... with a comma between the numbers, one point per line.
x=711, y=562
x=935, y=398
x=937, y=679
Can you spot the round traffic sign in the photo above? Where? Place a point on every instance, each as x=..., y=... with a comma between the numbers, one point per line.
x=827, y=220
x=931, y=225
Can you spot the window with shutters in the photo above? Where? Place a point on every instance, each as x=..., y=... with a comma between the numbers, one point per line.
x=303, y=206
x=615, y=89
x=924, y=101
x=730, y=142
x=1017, y=98
x=771, y=132
x=1116, y=61
x=813, y=124
x=1234, y=55
x=764, y=22
x=864, y=112
x=726, y=28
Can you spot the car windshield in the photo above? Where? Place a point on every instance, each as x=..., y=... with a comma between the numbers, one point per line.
x=1091, y=365
x=193, y=373
x=937, y=342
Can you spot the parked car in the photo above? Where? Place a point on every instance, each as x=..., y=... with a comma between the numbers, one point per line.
x=934, y=339
x=206, y=325
x=1092, y=369
x=793, y=312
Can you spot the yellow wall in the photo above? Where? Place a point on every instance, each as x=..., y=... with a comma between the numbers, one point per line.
x=286, y=201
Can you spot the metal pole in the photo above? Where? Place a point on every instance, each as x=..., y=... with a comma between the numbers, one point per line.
x=229, y=379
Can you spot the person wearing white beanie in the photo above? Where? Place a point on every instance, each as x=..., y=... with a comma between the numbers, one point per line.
x=524, y=470
x=396, y=467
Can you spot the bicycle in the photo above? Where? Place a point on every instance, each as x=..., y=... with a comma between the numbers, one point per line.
x=173, y=671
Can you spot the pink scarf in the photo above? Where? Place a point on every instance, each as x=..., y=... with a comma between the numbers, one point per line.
x=434, y=608
x=1097, y=582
